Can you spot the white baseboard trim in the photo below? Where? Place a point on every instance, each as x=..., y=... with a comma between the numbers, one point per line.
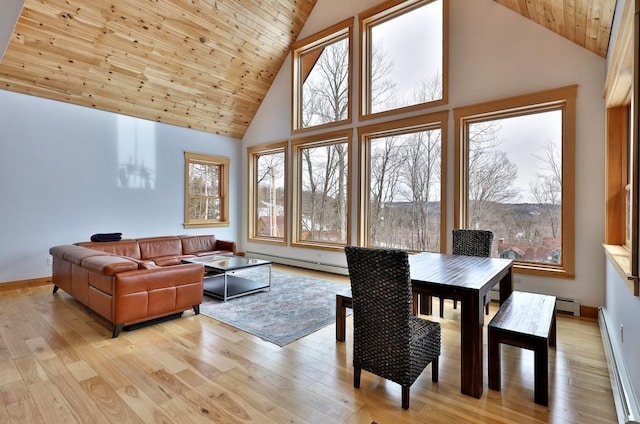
x=627, y=405
x=569, y=306
x=300, y=263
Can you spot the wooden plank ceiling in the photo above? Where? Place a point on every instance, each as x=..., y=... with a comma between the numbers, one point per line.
x=201, y=64
x=585, y=22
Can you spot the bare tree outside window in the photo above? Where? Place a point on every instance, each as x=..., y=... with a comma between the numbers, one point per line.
x=270, y=195
x=204, y=180
x=325, y=92
x=515, y=184
x=206, y=188
x=404, y=171
x=322, y=77
x=547, y=189
x=491, y=174
x=323, y=193
x=404, y=197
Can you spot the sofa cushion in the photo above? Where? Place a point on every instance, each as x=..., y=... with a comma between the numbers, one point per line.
x=193, y=245
x=158, y=247
x=143, y=264
x=128, y=248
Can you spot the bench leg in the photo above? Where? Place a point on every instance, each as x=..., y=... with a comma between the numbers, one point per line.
x=495, y=378
x=341, y=318
x=541, y=373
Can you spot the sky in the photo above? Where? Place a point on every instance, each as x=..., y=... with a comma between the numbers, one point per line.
x=521, y=137
x=412, y=65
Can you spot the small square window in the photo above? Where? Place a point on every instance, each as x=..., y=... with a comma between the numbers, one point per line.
x=206, y=188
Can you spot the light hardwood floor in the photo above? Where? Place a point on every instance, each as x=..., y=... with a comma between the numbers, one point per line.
x=58, y=364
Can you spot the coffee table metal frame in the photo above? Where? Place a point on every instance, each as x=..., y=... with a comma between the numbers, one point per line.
x=220, y=281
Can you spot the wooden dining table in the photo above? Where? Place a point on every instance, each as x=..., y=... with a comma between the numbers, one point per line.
x=467, y=279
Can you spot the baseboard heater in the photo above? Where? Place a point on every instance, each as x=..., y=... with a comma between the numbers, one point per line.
x=627, y=405
x=300, y=263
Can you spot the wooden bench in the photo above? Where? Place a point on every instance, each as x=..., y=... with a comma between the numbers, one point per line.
x=526, y=320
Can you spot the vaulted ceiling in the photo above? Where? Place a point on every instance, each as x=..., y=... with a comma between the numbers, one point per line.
x=201, y=64
x=585, y=22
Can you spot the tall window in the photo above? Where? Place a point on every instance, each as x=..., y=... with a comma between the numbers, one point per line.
x=515, y=177
x=322, y=78
x=206, y=190
x=267, y=192
x=393, y=75
x=403, y=192
x=321, y=190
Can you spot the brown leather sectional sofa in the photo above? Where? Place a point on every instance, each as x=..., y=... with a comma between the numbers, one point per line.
x=135, y=280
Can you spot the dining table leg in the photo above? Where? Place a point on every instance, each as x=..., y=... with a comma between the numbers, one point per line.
x=471, y=323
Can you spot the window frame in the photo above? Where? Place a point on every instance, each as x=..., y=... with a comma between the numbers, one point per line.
x=297, y=145
x=563, y=98
x=224, y=163
x=384, y=12
x=254, y=153
x=341, y=30
x=437, y=120
x=622, y=97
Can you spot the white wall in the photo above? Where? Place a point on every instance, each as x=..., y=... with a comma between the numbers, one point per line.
x=10, y=12
x=60, y=167
x=494, y=53
x=623, y=311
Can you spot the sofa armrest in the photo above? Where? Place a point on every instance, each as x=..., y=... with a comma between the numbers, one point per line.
x=226, y=245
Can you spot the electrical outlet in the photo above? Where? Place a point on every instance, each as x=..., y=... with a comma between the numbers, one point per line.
x=49, y=260
x=621, y=333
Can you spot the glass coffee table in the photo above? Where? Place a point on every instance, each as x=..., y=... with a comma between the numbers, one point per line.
x=220, y=280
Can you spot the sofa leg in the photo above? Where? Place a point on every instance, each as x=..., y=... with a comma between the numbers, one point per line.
x=116, y=330
x=196, y=309
x=55, y=288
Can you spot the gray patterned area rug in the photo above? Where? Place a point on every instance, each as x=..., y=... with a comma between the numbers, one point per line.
x=296, y=306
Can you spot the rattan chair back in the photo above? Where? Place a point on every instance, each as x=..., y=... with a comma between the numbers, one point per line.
x=382, y=306
x=388, y=340
x=472, y=242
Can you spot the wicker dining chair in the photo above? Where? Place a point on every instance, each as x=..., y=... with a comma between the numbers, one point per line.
x=388, y=340
x=470, y=243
